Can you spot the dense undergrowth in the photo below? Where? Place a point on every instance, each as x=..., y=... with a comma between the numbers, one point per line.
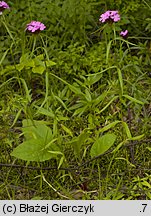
x=75, y=104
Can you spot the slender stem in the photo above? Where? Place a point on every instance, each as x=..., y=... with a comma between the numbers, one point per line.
x=5, y=24
x=34, y=44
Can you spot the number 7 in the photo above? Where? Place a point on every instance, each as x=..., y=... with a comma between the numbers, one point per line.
x=145, y=205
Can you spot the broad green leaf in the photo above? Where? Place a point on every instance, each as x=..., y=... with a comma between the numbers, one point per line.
x=37, y=130
x=49, y=144
x=102, y=144
x=38, y=69
x=39, y=144
x=50, y=63
x=38, y=62
x=7, y=69
x=40, y=57
x=26, y=61
x=34, y=150
x=19, y=67
x=30, y=63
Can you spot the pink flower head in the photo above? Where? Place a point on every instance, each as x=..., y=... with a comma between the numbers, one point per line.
x=124, y=34
x=110, y=16
x=35, y=26
x=3, y=6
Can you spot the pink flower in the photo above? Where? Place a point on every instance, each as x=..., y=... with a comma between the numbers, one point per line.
x=35, y=26
x=110, y=16
x=3, y=6
x=124, y=34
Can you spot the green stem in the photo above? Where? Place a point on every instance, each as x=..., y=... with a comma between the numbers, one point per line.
x=9, y=32
x=34, y=44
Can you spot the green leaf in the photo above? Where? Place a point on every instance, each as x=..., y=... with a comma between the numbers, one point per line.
x=7, y=69
x=39, y=62
x=120, y=79
x=37, y=198
x=20, y=67
x=106, y=106
x=100, y=98
x=50, y=63
x=24, y=58
x=28, y=96
x=33, y=150
x=149, y=148
x=3, y=57
x=26, y=61
x=61, y=159
x=67, y=130
x=63, y=104
x=39, y=144
x=30, y=63
x=108, y=51
x=133, y=99
x=16, y=117
x=127, y=130
x=145, y=183
x=76, y=106
x=37, y=130
x=137, y=137
x=80, y=111
x=40, y=57
x=44, y=111
x=88, y=95
x=119, y=146
x=77, y=142
x=102, y=144
x=39, y=69
x=75, y=90
x=109, y=126
x=93, y=79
